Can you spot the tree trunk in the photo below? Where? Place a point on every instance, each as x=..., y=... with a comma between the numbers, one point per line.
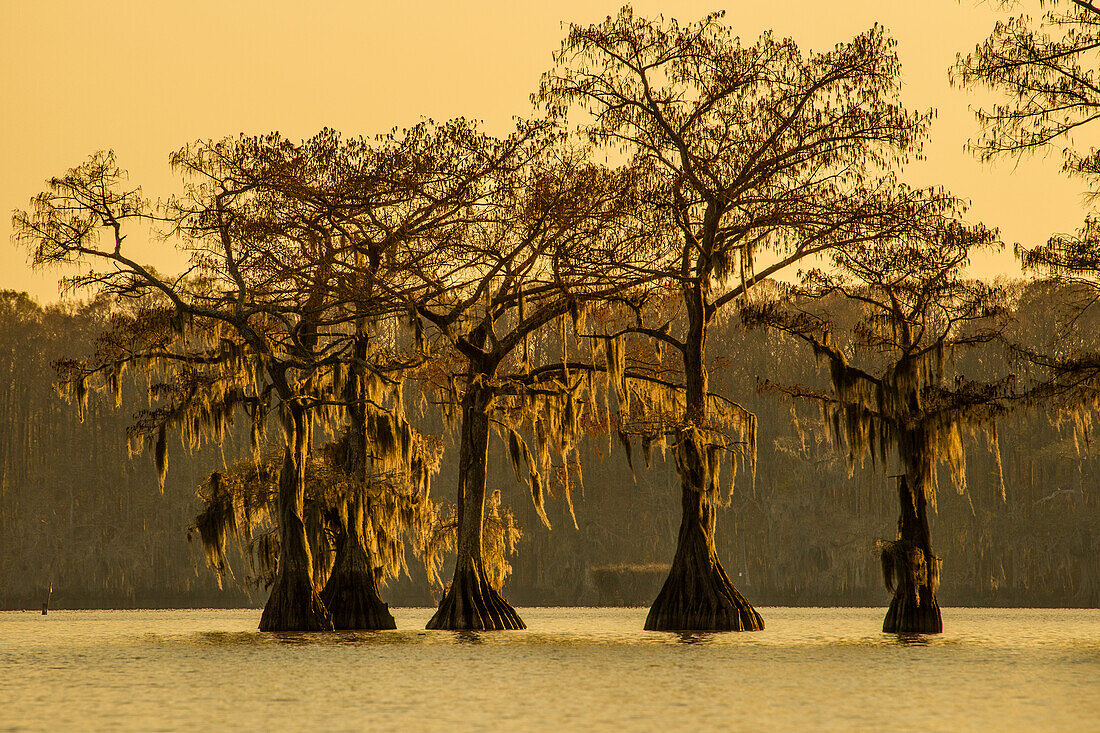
x=698, y=595
x=294, y=604
x=471, y=602
x=914, y=609
x=351, y=593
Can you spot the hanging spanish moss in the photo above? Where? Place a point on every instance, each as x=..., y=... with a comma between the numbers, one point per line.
x=893, y=396
x=379, y=512
x=710, y=438
x=507, y=359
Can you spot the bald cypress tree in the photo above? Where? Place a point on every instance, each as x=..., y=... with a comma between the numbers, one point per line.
x=1043, y=68
x=253, y=322
x=889, y=320
x=760, y=155
x=502, y=286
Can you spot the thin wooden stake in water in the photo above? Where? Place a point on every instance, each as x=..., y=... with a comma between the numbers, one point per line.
x=46, y=605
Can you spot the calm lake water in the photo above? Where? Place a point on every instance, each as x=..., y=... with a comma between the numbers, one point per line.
x=811, y=669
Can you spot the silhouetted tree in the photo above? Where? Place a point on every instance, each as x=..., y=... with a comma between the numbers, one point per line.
x=757, y=154
x=1046, y=67
x=254, y=320
x=336, y=200
x=538, y=242
x=894, y=392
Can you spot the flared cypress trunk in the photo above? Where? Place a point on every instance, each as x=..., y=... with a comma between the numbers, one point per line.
x=294, y=604
x=914, y=609
x=471, y=602
x=698, y=595
x=351, y=593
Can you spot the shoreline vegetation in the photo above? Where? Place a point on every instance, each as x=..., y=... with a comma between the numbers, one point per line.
x=746, y=365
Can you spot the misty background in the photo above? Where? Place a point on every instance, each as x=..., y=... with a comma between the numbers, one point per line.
x=78, y=514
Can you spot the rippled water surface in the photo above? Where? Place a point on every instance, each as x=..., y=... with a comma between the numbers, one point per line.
x=576, y=668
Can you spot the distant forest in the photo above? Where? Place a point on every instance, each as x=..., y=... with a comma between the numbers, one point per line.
x=78, y=514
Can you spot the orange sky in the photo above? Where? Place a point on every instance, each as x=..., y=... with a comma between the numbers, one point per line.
x=145, y=77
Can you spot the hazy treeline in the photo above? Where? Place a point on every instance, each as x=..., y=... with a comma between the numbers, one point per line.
x=76, y=512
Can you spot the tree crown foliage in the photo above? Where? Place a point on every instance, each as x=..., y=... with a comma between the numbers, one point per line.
x=750, y=147
x=1046, y=67
x=889, y=318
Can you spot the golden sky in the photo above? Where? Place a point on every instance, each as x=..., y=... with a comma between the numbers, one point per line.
x=145, y=77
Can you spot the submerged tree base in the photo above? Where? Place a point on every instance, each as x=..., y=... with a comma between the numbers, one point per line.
x=698, y=595
x=909, y=615
x=703, y=601
x=294, y=606
x=354, y=606
x=351, y=597
x=472, y=604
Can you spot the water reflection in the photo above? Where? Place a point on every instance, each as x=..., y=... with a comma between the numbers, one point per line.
x=468, y=637
x=229, y=638
x=579, y=669
x=694, y=637
x=625, y=637
x=911, y=639
x=299, y=638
